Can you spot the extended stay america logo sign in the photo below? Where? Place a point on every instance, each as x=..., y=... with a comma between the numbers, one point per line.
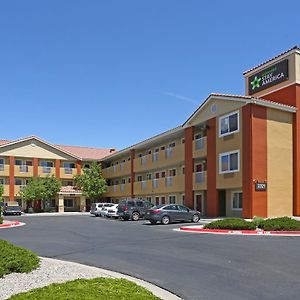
x=268, y=77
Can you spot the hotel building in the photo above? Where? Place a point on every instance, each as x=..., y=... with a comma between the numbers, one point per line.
x=234, y=156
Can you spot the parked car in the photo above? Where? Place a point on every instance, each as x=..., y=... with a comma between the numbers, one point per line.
x=96, y=208
x=133, y=209
x=171, y=213
x=12, y=210
x=104, y=209
x=112, y=211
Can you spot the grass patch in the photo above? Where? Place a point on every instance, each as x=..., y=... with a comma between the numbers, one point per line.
x=232, y=224
x=280, y=224
x=16, y=259
x=89, y=289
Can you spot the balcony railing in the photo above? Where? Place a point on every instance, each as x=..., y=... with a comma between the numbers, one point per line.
x=199, y=143
x=68, y=171
x=46, y=170
x=200, y=177
x=155, y=183
x=23, y=169
x=169, y=181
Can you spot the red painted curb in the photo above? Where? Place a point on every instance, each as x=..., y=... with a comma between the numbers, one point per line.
x=226, y=231
x=10, y=224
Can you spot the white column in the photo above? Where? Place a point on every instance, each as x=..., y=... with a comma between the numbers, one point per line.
x=61, y=207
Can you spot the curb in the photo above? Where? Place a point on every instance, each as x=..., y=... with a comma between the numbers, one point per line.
x=240, y=232
x=156, y=290
x=11, y=224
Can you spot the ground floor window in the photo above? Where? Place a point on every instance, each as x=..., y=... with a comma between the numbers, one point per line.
x=68, y=202
x=172, y=199
x=237, y=201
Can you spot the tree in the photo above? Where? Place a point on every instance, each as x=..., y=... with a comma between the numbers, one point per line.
x=41, y=188
x=91, y=182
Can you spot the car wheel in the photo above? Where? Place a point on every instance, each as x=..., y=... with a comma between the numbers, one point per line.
x=153, y=222
x=135, y=216
x=195, y=219
x=165, y=220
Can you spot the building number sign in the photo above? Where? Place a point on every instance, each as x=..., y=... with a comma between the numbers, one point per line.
x=260, y=186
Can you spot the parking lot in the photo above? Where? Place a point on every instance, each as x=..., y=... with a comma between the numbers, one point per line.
x=193, y=266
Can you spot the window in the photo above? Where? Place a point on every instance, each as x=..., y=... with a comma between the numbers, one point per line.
x=140, y=178
x=69, y=165
x=171, y=207
x=171, y=145
x=48, y=164
x=67, y=183
x=182, y=208
x=237, y=201
x=229, y=162
x=229, y=124
x=18, y=181
x=86, y=166
x=139, y=203
x=172, y=172
x=172, y=199
x=1, y=164
x=18, y=162
x=68, y=202
x=149, y=176
x=2, y=181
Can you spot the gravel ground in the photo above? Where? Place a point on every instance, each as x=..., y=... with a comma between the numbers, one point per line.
x=50, y=271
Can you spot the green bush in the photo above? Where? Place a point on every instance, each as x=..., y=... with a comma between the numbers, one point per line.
x=257, y=221
x=280, y=224
x=83, y=289
x=231, y=223
x=16, y=259
x=1, y=220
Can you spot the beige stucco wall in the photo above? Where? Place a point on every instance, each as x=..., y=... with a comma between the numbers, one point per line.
x=226, y=144
x=38, y=150
x=280, y=163
x=223, y=107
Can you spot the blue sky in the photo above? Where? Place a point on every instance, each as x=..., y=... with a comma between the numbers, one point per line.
x=112, y=73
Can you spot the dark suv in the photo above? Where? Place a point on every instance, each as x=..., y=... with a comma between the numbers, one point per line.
x=133, y=209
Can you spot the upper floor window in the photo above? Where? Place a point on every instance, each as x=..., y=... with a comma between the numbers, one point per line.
x=229, y=124
x=48, y=164
x=229, y=162
x=69, y=165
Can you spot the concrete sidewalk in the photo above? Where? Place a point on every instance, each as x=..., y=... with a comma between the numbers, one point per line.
x=56, y=214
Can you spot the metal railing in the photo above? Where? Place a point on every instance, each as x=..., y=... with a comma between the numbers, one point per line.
x=155, y=183
x=200, y=177
x=23, y=169
x=169, y=181
x=68, y=171
x=199, y=143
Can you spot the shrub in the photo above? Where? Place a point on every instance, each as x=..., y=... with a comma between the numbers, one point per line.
x=257, y=221
x=16, y=259
x=280, y=224
x=231, y=223
x=1, y=220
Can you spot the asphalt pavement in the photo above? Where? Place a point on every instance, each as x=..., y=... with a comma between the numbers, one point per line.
x=191, y=265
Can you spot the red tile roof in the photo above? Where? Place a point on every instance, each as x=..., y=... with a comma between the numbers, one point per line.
x=273, y=58
x=79, y=151
x=87, y=152
x=69, y=189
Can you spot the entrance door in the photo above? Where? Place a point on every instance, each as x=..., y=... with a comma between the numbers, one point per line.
x=163, y=200
x=198, y=202
x=156, y=200
x=222, y=203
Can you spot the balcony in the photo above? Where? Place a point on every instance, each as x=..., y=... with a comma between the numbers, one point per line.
x=4, y=170
x=167, y=157
x=200, y=180
x=6, y=190
x=118, y=170
x=19, y=188
x=160, y=185
x=120, y=190
x=68, y=172
x=24, y=171
x=200, y=147
x=46, y=171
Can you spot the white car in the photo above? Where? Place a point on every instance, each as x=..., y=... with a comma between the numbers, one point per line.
x=113, y=211
x=104, y=210
x=97, y=207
